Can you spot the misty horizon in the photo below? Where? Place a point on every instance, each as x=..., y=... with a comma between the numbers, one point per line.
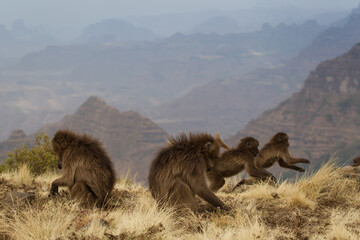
x=68, y=18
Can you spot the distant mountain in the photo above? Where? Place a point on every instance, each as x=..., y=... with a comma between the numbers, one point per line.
x=5, y=35
x=252, y=93
x=323, y=117
x=115, y=30
x=219, y=25
x=130, y=139
x=20, y=40
x=47, y=84
x=248, y=19
x=150, y=73
x=16, y=139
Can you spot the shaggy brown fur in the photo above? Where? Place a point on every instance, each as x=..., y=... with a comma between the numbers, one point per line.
x=276, y=150
x=236, y=160
x=178, y=172
x=87, y=168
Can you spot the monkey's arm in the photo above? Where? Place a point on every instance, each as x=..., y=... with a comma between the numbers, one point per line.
x=56, y=184
x=290, y=160
x=284, y=164
x=216, y=180
x=202, y=190
x=256, y=175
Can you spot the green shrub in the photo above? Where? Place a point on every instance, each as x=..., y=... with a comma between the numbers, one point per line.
x=40, y=158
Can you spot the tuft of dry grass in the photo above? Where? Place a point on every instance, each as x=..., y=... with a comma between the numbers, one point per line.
x=322, y=205
x=53, y=221
x=21, y=176
x=344, y=224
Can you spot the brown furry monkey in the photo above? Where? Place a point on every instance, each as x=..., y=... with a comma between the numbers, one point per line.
x=87, y=168
x=235, y=160
x=276, y=150
x=178, y=172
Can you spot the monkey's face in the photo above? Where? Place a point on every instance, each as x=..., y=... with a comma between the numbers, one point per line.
x=281, y=137
x=212, y=148
x=60, y=164
x=250, y=143
x=60, y=141
x=55, y=146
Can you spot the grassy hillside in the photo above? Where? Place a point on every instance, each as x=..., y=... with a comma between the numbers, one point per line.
x=322, y=205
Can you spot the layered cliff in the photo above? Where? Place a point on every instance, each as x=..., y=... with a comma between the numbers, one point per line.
x=323, y=117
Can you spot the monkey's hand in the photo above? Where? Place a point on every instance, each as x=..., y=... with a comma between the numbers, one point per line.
x=224, y=208
x=306, y=161
x=53, y=190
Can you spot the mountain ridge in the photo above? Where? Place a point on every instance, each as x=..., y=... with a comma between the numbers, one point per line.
x=130, y=138
x=322, y=116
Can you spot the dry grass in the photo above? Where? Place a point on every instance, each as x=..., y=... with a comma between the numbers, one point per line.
x=322, y=205
x=21, y=176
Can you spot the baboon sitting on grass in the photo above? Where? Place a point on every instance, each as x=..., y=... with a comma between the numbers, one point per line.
x=87, y=168
x=178, y=172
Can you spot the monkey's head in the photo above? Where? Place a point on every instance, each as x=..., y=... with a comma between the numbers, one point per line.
x=204, y=141
x=60, y=142
x=249, y=143
x=212, y=148
x=280, y=137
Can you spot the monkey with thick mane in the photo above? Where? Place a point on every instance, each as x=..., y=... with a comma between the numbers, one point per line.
x=276, y=150
x=86, y=167
x=178, y=172
x=235, y=160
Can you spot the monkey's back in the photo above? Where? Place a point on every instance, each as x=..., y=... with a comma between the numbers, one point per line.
x=231, y=162
x=182, y=160
x=95, y=167
x=270, y=153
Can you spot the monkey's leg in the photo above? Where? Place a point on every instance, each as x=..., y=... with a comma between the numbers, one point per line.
x=60, y=182
x=81, y=192
x=284, y=164
x=216, y=180
x=247, y=181
x=297, y=160
x=182, y=196
x=259, y=173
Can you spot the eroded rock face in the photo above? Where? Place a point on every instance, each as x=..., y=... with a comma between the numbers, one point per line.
x=323, y=116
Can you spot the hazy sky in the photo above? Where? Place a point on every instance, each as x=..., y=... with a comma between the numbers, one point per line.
x=83, y=12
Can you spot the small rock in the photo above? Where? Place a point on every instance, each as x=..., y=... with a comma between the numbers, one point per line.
x=19, y=198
